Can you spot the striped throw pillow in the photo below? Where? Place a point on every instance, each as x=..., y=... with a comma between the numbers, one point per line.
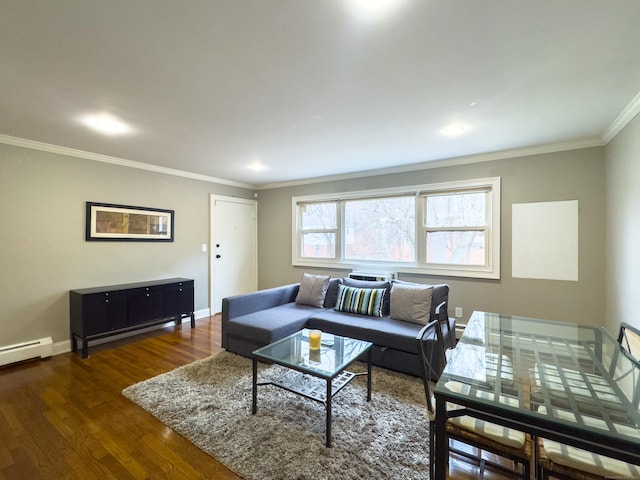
x=365, y=301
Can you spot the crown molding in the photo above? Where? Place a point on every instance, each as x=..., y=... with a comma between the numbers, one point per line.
x=72, y=152
x=449, y=162
x=622, y=120
x=446, y=162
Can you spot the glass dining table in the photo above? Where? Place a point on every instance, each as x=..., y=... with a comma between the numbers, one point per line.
x=566, y=382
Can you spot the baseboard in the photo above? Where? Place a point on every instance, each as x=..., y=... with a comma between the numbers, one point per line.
x=65, y=345
x=205, y=312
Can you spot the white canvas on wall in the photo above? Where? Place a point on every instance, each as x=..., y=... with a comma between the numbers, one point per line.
x=545, y=240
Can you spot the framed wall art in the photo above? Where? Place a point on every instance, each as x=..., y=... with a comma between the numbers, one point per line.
x=109, y=222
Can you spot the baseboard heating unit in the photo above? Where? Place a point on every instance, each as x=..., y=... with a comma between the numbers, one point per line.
x=40, y=348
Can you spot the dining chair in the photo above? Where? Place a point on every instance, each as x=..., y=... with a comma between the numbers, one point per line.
x=496, y=439
x=629, y=338
x=565, y=462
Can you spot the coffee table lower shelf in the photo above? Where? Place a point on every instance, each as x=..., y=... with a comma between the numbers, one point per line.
x=311, y=387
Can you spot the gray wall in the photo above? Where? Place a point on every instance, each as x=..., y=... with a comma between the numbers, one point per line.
x=43, y=252
x=572, y=175
x=623, y=227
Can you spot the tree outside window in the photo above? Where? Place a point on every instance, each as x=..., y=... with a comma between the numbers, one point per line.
x=456, y=228
x=381, y=229
x=318, y=230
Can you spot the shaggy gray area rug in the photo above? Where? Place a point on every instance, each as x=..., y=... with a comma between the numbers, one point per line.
x=209, y=403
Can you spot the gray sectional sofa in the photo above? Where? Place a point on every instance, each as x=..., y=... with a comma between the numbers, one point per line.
x=252, y=320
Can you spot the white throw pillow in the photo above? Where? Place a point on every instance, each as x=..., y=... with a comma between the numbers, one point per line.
x=411, y=303
x=313, y=289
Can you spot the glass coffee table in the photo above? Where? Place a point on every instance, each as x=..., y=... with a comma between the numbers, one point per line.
x=315, y=374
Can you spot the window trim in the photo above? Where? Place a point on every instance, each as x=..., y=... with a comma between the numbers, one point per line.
x=490, y=271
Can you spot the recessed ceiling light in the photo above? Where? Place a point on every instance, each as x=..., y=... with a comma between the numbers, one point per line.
x=107, y=124
x=373, y=9
x=454, y=129
x=257, y=166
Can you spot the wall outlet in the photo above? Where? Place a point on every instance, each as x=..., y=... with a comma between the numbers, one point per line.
x=458, y=312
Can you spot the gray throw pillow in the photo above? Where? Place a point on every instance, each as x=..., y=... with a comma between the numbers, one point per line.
x=411, y=303
x=313, y=289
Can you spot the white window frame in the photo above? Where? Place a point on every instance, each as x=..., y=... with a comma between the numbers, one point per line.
x=490, y=270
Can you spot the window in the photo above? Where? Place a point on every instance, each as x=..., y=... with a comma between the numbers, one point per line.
x=380, y=229
x=442, y=229
x=456, y=228
x=318, y=228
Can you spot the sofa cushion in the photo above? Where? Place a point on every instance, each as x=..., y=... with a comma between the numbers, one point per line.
x=351, y=282
x=313, y=289
x=365, y=301
x=411, y=303
x=383, y=331
x=271, y=324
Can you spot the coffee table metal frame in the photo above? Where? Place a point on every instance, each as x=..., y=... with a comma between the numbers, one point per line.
x=303, y=375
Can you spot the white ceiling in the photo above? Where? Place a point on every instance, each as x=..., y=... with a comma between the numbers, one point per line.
x=308, y=88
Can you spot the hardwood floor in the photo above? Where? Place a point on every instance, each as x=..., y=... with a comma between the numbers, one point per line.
x=65, y=417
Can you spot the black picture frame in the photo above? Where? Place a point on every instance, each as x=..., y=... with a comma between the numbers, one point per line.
x=108, y=222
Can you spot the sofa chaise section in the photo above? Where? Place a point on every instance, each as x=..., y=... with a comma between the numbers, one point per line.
x=254, y=330
x=253, y=320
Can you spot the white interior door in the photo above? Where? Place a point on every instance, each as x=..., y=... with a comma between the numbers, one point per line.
x=234, y=248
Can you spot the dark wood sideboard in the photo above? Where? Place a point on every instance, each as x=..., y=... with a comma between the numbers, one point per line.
x=104, y=311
